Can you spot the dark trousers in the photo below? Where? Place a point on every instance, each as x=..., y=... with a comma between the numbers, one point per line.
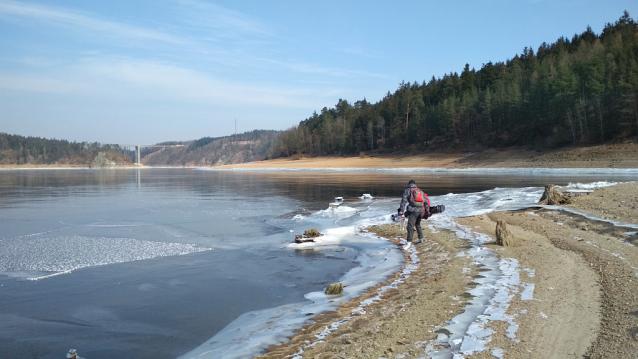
x=414, y=219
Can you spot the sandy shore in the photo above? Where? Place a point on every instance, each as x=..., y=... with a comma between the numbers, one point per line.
x=604, y=156
x=585, y=299
x=60, y=167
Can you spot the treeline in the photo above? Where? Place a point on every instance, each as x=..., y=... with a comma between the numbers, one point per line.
x=582, y=90
x=16, y=149
x=215, y=151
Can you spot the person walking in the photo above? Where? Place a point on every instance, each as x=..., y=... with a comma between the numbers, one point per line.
x=415, y=205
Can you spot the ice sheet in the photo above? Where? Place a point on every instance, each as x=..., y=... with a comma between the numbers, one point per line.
x=592, y=185
x=40, y=258
x=254, y=331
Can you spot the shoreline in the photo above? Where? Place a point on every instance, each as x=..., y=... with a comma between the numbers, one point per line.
x=603, y=156
x=583, y=275
x=609, y=156
x=58, y=167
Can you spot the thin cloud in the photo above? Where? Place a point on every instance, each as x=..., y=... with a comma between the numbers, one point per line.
x=40, y=84
x=166, y=80
x=85, y=21
x=116, y=77
x=217, y=34
x=202, y=14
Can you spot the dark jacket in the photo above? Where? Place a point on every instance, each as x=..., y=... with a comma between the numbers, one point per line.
x=405, y=201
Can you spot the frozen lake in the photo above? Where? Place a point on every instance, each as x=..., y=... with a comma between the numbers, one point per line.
x=153, y=263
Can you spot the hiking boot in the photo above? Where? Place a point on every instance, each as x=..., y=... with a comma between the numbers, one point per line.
x=419, y=241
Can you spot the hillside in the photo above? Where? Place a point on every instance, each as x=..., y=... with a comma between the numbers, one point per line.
x=208, y=151
x=17, y=151
x=578, y=91
x=21, y=150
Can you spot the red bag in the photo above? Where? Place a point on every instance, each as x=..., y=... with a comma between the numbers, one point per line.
x=419, y=198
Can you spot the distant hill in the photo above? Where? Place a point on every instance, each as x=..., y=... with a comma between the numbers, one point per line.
x=20, y=150
x=206, y=151
x=213, y=151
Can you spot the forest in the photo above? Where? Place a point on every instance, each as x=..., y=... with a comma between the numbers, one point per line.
x=16, y=149
x=577, y=91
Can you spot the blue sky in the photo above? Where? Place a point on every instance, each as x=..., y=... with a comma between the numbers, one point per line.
x=149, y=71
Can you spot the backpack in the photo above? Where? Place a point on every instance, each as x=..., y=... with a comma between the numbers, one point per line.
x=418, y=198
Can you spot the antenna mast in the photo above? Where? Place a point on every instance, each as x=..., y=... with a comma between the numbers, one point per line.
x=235, y=130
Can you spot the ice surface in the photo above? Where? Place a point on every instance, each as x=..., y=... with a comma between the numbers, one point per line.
x=331, y=237
x=40, y=258
x=528, y=291
x=254, y=331
x=338, y=212
x=592, y=185
x=497, y=199
x=530, y=272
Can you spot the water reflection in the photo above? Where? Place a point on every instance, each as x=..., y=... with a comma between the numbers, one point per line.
x=309, y=187
x=239, y=214
x=58, y=183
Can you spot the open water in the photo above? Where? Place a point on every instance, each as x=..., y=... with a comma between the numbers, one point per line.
x=166, y=263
